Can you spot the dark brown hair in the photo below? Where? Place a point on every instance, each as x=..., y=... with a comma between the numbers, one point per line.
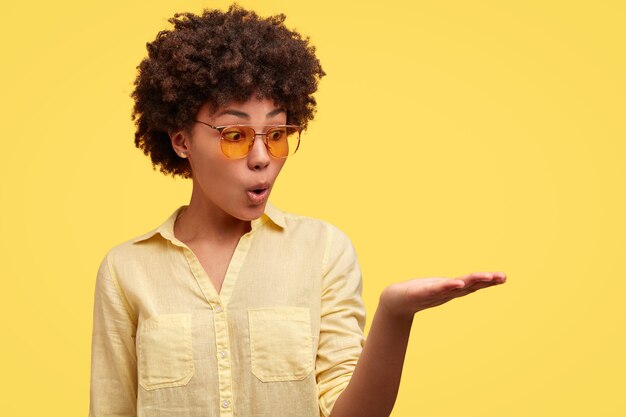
x=218, y=57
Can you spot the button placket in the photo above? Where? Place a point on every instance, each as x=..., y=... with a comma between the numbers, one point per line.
x=220, y=321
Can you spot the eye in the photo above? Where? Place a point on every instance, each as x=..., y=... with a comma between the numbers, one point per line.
x=234, y=134
x=276, y=134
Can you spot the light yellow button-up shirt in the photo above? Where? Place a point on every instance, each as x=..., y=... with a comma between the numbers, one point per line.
x=281, y=338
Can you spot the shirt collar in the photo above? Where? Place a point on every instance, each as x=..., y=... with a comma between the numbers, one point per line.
x=166, y=229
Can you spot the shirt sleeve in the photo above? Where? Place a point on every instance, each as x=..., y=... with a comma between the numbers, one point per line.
x=113, y=389
x=342, y=325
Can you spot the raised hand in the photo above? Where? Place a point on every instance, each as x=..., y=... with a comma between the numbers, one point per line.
x=406, y=298
x=374, y=384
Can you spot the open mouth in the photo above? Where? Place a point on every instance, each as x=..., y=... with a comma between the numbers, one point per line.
x=258, y=195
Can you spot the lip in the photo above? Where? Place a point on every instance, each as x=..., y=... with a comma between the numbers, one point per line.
x=257, y=198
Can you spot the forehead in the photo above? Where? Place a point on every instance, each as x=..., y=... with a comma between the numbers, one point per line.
x=253, y=108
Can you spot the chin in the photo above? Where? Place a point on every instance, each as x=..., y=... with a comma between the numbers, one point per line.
x=252, y=212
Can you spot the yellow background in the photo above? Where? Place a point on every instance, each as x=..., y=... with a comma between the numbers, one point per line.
x=451, y=136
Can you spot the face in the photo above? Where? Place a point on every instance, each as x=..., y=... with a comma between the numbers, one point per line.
x=238, y=188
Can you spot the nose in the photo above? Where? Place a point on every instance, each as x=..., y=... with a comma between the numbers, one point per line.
x=258, y=157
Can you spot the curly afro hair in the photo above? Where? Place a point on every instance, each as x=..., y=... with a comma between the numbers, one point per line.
x=217, y=58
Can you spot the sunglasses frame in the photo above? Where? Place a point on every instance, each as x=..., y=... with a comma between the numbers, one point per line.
x=220, y=129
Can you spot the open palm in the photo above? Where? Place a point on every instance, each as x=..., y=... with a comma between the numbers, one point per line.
x=408, y=297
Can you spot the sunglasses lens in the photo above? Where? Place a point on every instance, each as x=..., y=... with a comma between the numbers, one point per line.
x=236, y=141
x=283, y=141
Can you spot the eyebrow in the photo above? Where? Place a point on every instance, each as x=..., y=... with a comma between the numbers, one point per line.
x=246, y=116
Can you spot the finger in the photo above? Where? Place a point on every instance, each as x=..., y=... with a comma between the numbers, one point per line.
x=446, y=287
x=473, y=288
x=433, y=287
x=428, y=281
x=452, y=284
x=500, y=277
x=474, y=277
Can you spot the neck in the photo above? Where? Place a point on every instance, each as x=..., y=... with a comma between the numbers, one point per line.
x=202, y=220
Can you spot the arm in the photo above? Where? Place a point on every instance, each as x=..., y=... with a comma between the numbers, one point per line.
x=113, y=390
x=373, y=388
x=342, y=319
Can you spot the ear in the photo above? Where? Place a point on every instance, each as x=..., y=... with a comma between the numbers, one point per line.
x=180, y=143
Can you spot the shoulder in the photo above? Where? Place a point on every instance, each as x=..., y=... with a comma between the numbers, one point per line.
x=321, y=233
x=146, y=245
x=300, y=224
x=296, y=221
x=134, y=250
x=117, y=255
x=299, y=220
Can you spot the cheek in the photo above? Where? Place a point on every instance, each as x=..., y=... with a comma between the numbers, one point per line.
x=277, y=167
x=210, y=171
x=220, y=175
x=206, y=154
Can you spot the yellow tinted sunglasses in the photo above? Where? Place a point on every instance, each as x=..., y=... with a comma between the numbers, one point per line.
x=237, y=140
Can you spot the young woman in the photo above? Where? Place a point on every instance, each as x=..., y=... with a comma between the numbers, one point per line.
x=233, y=307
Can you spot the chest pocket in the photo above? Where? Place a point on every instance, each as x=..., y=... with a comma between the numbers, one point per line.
x=280, y=343
x=164, y=351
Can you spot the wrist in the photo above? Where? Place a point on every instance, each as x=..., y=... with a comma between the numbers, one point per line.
x=390, y=308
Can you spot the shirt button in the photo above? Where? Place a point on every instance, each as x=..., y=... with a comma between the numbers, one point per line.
x=225, y=404
x=223, y=353
x=218, y=309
